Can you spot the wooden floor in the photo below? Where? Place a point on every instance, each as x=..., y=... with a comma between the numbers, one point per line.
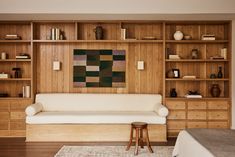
x=17, y=147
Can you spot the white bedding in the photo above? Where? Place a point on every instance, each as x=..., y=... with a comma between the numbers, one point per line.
x=187, y=146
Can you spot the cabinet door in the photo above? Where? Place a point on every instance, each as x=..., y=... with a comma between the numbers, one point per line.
x=196, y=105
x=197, y=115
x=197, y=125
x=217, y=115
x=176, y=115
x=218, y=105
x=176, y=125
x=217, y=124
x=175, y=105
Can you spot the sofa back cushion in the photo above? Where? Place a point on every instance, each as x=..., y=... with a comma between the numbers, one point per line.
x=98, y=102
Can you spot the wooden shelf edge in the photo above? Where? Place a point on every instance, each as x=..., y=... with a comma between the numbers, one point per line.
x=15, y=60
x=197, y=79
x=15, y=79
x=98, y=41
x=14, y=98
x=197, y=41
x=196, y=60
x=15, y=41
x=204, y=98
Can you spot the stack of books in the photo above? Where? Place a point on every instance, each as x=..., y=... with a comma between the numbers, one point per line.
x=189, y=77
x=12, y=37
x=208, y=37
x=23, y=56
x=192, y=96
x=56, y=34
x=174, y=57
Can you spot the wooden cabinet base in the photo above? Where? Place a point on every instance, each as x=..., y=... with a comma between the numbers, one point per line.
x=93, y=133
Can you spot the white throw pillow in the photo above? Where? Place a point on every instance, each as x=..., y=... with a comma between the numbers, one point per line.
x=161, y=110
x=33, y=109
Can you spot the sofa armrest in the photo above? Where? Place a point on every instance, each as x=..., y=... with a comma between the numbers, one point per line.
x=33, y=109
x=161, y=110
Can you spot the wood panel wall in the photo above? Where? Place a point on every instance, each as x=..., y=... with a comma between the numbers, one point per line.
x=148, y=80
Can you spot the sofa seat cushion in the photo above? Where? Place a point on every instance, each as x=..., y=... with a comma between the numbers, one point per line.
x=101, y=117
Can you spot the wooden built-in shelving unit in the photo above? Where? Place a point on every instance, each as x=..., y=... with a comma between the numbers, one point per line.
x=208, y=112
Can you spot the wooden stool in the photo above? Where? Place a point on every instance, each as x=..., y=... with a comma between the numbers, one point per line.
x=140, y=128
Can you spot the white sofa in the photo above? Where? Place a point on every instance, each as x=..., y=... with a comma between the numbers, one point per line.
x=93, y=117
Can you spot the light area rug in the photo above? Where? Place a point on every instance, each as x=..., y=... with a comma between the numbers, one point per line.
x=112, y=151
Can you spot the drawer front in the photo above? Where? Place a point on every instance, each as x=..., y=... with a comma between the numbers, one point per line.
x=18, y=115
x=176, y=125
x=217, y=124
x=198, y=105
x=218, y=105
x=4, y=106
x=17, y=125
x=176, y=115
x=197, y=125
x=217, y=115
x=199, y=115
x=4, y=125
x=176, y=104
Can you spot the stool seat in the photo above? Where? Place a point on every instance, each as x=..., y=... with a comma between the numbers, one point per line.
x=139, y=124
x=140, y=128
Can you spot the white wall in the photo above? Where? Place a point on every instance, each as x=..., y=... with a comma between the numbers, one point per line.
x=117, y=6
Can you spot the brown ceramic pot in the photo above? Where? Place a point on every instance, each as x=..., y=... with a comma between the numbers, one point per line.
x=215, y=90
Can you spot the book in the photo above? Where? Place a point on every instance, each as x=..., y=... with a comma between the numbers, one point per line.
x=189, y=77
x=193, y=96
x=174, y=57
x=123, y=34
x=22, y=57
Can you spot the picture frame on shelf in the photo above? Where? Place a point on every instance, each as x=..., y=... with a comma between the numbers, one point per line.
x=176, y=73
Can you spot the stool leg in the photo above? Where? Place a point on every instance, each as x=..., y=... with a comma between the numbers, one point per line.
x=130, y=140
x=136, y=141
x=141, y=139
x=147, y=141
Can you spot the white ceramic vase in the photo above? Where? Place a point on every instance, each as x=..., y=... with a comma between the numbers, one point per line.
x=178, y=35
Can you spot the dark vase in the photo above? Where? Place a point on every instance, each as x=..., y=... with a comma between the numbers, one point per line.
x=215, y=90
x=99, y=33
x=220, y=74
x=170, y=74
x=173, y=93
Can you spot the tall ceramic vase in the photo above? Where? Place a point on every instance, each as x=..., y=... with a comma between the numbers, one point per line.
x=215, y=90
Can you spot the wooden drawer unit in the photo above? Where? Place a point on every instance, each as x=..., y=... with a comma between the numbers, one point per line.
x=218, y=105
x=197, y=125
x=4, y=106
x=176, y=125
x=4, y=125
x=196, y=105
x=18, y=115
x=197, y=115
x=217, y=115
x=217, y=124
x=175, y=105
x=17, y=125
x=177, y=115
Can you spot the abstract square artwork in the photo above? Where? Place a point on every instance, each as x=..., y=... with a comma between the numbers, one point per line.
x=99, y=68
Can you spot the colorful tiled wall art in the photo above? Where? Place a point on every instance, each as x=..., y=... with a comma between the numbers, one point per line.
x=99, y=68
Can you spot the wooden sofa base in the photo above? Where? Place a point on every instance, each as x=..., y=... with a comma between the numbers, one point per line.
x=89, y=132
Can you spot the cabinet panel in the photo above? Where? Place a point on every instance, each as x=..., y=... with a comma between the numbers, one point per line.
x=200, y=115
x=217, y=124
x=175, y=104
x=18, y=115
x=218, y=115
x=176, y=124
x=4, y=106
x=4, y=115
x=196, y=105
x=17, y=125
x=197, y=125
x=3, y=125
x=218, y=105
x=177, y=115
